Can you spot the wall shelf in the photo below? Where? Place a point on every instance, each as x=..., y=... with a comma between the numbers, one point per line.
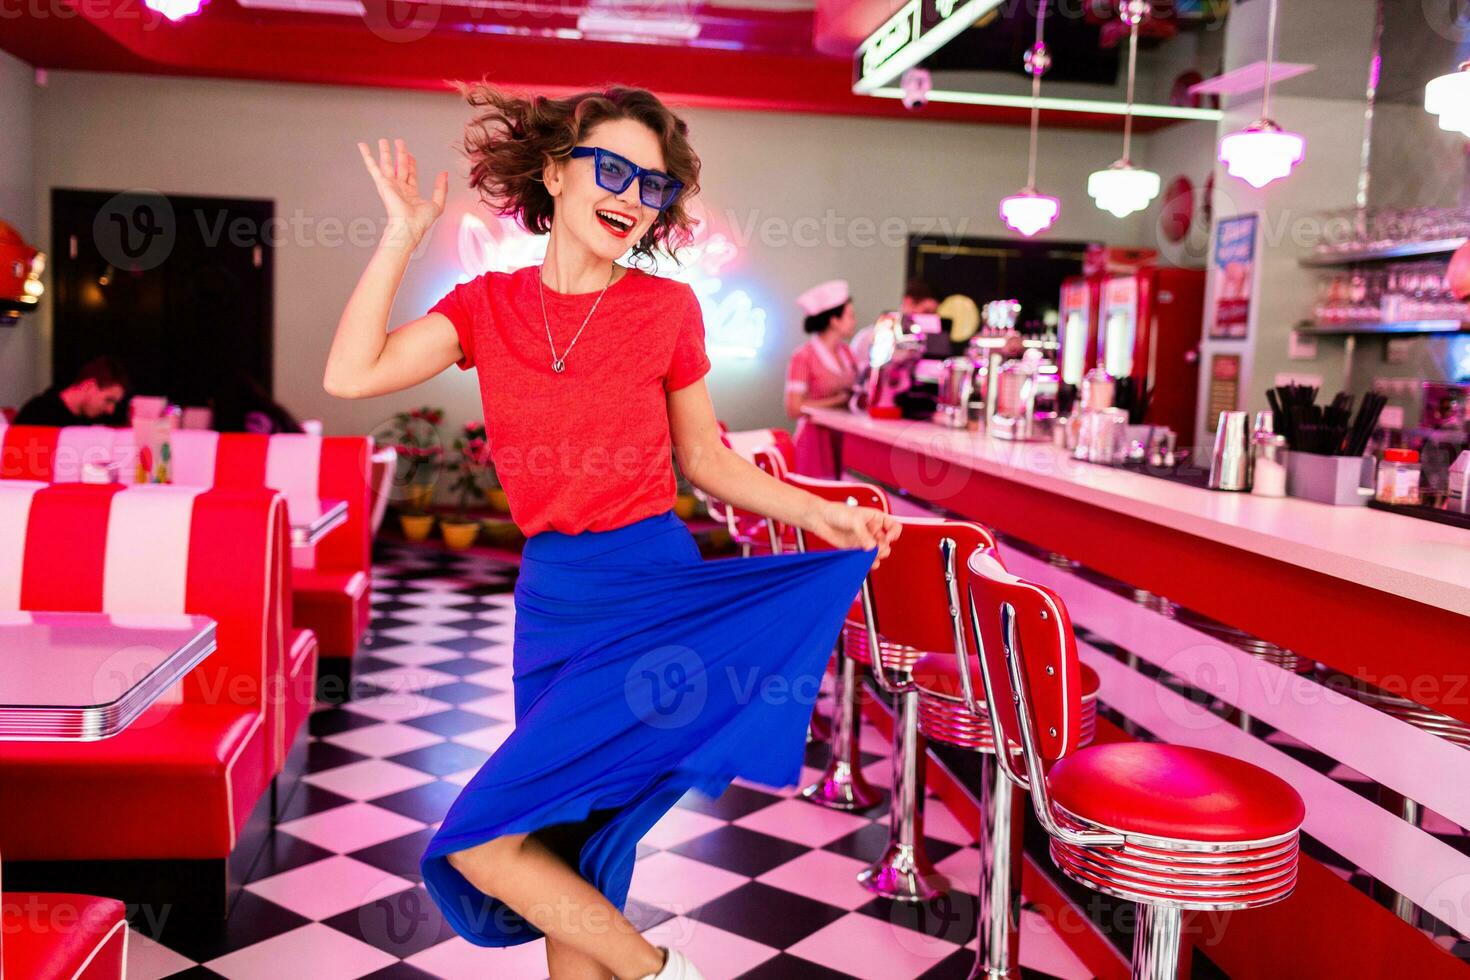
x=1403, y=250
x=1408, y=327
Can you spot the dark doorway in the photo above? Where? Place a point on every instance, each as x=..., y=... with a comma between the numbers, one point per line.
x=987, y=269
x=178, y=287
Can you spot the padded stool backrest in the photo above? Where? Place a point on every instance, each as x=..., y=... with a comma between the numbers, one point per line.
x=1023, y=634
x=911, y=595
x=850, y=492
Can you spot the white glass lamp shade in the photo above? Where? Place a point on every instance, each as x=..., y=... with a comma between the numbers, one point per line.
x=175, y=10
x=1028, y=212
x=1123, y=189
x=1261, y=153
x=1448, y=97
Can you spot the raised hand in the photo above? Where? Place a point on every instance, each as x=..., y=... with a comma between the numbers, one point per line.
x=856, y=527
x=395, y=174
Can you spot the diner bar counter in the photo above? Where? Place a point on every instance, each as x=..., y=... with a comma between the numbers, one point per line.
x=1330, y=645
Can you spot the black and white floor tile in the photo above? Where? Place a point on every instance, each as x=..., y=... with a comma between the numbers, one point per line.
x=757, y=884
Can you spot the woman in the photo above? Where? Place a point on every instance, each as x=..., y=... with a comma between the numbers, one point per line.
x=822, y=373
x=625, y=696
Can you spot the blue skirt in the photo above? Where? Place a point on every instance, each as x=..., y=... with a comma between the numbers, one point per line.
x=641, y=671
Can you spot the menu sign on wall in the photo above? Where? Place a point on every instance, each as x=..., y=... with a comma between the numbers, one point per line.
x=1224, y=393
x=915, y=31
x=1233, y=265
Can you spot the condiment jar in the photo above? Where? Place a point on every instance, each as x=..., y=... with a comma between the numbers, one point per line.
x=1268, y=465
x=1398, y=477
x=1097, y=389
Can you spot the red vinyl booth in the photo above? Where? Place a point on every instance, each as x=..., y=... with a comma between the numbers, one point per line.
x=171, y=796
x=331, y=582
x=69, y=937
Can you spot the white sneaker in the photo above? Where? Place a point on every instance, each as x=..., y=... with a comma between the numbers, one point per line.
x=676, y=967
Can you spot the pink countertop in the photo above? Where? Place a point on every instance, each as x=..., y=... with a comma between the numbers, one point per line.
x=1416, y=559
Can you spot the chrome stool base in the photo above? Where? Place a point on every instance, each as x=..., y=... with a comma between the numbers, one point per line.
x=1002, y=815
x=842, y=786
x=1156, y=943
x=904, y=873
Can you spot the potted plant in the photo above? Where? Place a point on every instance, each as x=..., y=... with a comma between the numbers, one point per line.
x=471, y=456
x=485, y=471
x=686, y=504
x=420, y=457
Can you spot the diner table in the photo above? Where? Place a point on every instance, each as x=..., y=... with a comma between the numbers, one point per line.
x=312, y=520
x=86, y=676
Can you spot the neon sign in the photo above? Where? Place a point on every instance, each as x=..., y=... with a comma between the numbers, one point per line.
x=917, y=30
x=734, y=324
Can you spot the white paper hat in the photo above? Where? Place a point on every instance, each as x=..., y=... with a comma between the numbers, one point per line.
x=825, y=296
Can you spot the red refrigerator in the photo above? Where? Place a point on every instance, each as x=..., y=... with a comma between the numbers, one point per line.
x=1077, y=327
x=1151, y=323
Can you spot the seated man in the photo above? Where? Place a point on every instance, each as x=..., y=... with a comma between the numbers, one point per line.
x=91, y=399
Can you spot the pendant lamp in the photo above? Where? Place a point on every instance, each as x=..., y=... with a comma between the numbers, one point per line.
x=1028, y=211
x=1123, y=188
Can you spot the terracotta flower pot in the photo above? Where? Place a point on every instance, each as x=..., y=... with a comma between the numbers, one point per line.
x=503, y=534
x=416, y=527
x=497, y=500
x=420, y=495
x=459, y=535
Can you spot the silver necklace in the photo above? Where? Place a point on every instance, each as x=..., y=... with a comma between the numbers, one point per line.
x=558, y=364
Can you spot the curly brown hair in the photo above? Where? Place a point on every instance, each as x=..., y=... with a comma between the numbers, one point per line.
x=512, y=137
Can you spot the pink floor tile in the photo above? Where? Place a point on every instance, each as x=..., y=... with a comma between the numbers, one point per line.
x=718, y=954
x=822, y=876
x=314, y=950
x=806, y=823
x=872, y=949
x=321, y=890
x=456, y=959
x=349, y=828
x=678, y=884
x=679, y=825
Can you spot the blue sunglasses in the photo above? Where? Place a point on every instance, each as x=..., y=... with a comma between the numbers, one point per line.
x=656, y=189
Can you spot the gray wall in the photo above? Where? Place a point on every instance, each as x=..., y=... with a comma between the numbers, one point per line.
x=20, y=345
x=1326, y=106
x=295, y=145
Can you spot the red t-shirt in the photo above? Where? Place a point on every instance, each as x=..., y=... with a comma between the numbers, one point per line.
x=587, y=449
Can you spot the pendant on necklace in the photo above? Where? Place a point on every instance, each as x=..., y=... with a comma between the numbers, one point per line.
x=557, y=365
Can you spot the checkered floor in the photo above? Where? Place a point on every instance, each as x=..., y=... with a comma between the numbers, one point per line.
x=756, y=884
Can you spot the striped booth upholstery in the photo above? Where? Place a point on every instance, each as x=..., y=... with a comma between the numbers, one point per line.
x=331, y=583
x=181, y=781
x=80, y=937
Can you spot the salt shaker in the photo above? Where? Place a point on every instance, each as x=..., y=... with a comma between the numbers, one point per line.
x=1268, y=452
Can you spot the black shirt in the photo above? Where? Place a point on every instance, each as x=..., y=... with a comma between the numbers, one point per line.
x=47, y=408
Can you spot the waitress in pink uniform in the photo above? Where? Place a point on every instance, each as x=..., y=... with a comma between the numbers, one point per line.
x=822, y=372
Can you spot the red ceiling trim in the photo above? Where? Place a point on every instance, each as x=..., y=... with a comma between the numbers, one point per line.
x=333, y=51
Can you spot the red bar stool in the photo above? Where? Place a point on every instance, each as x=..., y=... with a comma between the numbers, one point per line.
x=841, y=786
x=1166, y=826
x=950, y=714
x=773, y=451
x=911, y=613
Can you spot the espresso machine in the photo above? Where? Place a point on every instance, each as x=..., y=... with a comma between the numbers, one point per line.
x=894, y=357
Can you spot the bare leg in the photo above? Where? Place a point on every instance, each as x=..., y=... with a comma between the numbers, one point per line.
x=565, y=963
x=526, y=875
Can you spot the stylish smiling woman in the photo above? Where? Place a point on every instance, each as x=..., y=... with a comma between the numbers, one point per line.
x=641, y=671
